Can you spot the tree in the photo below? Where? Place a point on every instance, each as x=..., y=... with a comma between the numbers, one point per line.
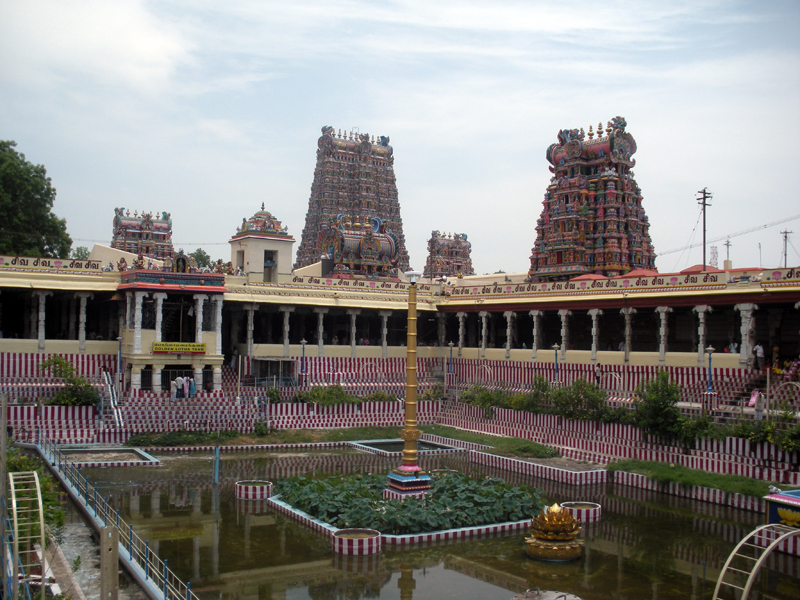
x=28, y=226
x=657, y=409
x=80, y=253
x=202, y=258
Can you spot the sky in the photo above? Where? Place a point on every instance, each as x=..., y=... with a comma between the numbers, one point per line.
x=206, y=109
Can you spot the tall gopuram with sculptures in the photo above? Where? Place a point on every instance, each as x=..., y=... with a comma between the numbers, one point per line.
x=592, y=219
x=143, y=234
x=354, y=182
x=449, y=255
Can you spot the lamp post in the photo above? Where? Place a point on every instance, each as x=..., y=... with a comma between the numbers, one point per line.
x=710, y=351
x=119, y=366
x=556, y=348
x=409, y=479
x=451, y=357
x=303, y=360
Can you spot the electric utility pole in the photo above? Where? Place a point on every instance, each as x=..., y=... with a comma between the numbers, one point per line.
x=703, y=201
x=785, y=235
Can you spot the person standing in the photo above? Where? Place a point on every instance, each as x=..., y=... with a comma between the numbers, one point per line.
x=173, y=390
x=179, y=386
x=192, y=387
x=758, y=350
x=186, y=387
x=598, y=373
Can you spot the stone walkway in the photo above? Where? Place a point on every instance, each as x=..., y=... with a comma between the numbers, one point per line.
x=81, y=541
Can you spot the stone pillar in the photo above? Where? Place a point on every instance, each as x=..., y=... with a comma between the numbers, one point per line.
x=218, y=299
x=251, y=309
x=462, y=316
x=701, y=331
x=128, y=308
x=483, y=315
x=747, y=331
x=565, y=315
x=594, y=313
x=159, y=297
x=353, y=312
x=385, y=314
x=41, y=317
x=321, y=312
x=137, y=322
x=509, y=315
x=286, y=310
x=136, y=377
x=198, y=378
x=663, y=331
x=82, y=297
x=198, y=317
x=157, y=378
x=217, y=378
x=536, y=315
x=627, y=312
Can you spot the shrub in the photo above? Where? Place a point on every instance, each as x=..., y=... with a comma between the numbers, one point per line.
x=77, y=391
x=582, y=401
x=326, y=396
x=272, y=395
x=260, y=429
x=657, y=412
x=380, y=396
x=534, y=400
x=477, y=395
x=434, y=393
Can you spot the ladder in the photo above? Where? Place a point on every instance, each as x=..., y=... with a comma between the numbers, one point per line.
x=27, y=520
x=747, y=558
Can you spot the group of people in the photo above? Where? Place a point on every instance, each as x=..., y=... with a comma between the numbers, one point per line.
x=182, y=387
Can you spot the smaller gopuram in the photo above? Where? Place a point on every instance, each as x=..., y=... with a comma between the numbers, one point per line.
x=261, y=248
x=353, y=250
x=143, y=234
x=449, y=255
x=592, y=219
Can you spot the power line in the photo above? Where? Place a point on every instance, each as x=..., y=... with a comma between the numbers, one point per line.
x=736, y=234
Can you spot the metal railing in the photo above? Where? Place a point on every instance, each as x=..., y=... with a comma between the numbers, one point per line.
x=132, y=547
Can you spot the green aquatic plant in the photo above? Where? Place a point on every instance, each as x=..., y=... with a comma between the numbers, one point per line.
x=453, y=501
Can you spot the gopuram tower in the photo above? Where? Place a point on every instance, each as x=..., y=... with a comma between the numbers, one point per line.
x=353, y=181
x=592, y=219
x=448, y=256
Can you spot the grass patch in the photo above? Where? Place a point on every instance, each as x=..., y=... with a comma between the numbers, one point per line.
x=181, y=438
x=664, y=473
x=500, y=445
x=503, y=446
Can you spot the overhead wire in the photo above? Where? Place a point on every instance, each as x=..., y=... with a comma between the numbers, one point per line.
x=691, y=237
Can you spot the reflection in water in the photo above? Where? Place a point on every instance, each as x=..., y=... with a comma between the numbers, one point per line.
x=647, y=546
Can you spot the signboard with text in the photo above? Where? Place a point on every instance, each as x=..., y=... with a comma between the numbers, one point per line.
x=178, y=348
